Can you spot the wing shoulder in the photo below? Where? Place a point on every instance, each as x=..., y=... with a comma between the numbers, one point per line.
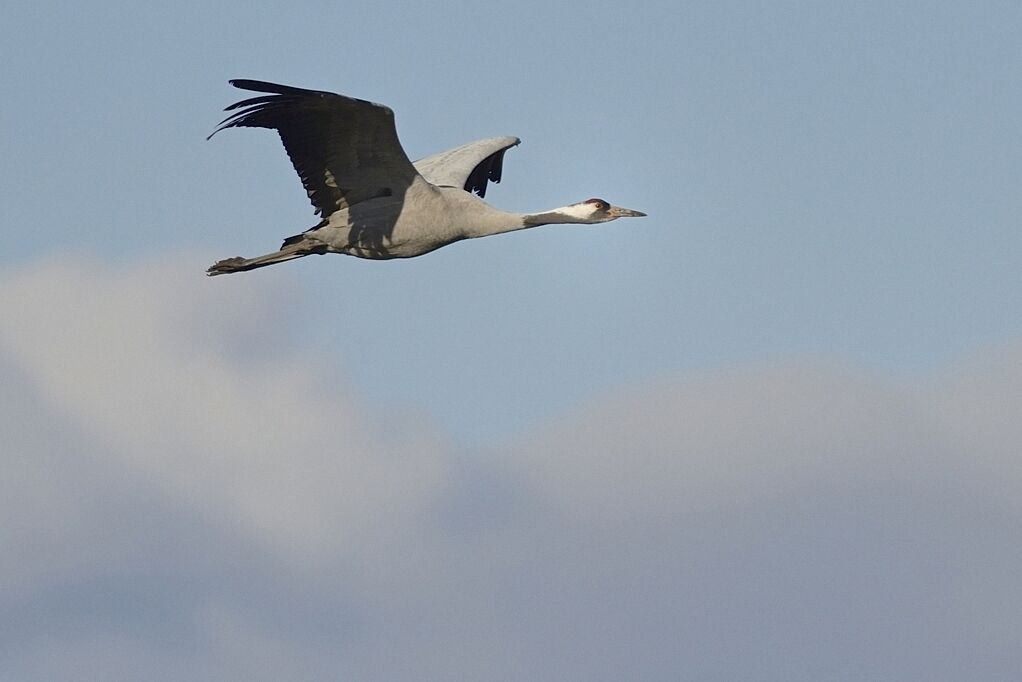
x=471, y=166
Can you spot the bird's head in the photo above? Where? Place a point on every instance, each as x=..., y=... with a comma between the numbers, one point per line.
x=586, y=212
x=600, y=211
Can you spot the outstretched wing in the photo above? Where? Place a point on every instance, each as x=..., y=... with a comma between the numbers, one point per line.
x=345, y=150
x=470, y=166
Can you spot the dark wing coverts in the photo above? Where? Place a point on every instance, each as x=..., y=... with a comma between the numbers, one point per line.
x=345, y=150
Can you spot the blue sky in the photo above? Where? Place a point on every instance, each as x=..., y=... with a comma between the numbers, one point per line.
x=833, y=227
x=820, y=181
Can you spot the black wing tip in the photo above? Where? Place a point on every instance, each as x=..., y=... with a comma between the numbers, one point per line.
x=489, y=169
x=277, y=88
x=257, y=86
x=254, y=104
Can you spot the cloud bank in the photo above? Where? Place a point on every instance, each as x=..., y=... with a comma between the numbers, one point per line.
x=189, y=495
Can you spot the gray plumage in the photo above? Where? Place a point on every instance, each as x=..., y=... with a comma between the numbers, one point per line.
x=471, y=165
x=373, y=201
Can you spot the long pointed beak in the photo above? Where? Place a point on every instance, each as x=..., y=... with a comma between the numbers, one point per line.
x=619, y=212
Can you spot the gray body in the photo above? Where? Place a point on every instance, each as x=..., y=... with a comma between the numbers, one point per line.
x=374, y=202
x=424, y=219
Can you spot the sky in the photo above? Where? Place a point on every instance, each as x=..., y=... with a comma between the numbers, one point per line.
x=769, y=432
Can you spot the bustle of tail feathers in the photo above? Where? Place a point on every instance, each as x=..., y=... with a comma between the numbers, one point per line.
x=292, y=240
x=304, y=236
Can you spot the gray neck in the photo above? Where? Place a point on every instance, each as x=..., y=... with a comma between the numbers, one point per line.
x=498, y=222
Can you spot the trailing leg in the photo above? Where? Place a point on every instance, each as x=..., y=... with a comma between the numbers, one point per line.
x=289, y=251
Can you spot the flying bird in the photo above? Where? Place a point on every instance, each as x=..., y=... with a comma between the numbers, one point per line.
x=373, y=202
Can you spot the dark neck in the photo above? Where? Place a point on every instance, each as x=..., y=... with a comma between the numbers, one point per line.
x=548, y=218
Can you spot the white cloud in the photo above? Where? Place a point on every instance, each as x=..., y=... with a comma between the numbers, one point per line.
x=183, y=485
x=144, y=361
x=763, y=432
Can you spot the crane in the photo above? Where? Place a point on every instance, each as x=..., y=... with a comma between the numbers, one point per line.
x=373, y=202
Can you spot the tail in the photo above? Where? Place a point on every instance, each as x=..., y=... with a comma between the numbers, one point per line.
x=290, y=250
